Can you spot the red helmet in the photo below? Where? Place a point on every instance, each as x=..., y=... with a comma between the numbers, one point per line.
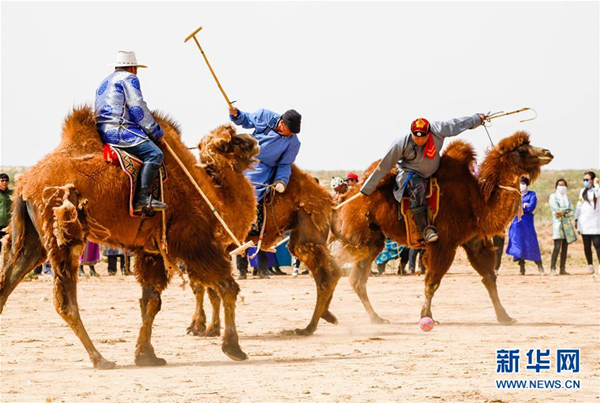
x=352, y=175
x=420, y=127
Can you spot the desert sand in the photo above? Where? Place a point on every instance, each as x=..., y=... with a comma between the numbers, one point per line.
x=43, y=361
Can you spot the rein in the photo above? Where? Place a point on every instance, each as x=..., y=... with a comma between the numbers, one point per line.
x=512, y=189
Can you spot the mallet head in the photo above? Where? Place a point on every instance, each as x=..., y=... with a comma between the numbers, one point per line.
x=192, y=34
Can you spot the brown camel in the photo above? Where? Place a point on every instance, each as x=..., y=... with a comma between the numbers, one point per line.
x=471, y=211
x=305, y=210
x=73, y=195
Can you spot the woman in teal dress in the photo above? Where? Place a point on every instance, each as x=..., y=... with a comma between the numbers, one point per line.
x=563, y=232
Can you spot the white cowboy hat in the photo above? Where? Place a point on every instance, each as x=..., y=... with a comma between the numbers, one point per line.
x=126, y=59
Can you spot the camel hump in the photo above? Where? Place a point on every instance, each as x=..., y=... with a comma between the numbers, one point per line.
x=460, y=152
x=79, y=134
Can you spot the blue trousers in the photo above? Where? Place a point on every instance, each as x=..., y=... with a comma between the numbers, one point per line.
x=147, y=152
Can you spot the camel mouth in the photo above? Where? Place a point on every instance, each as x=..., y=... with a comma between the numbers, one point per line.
x=546, y=159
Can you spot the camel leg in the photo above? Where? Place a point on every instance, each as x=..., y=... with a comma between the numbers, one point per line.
x=228, y=290
x=437, y=259
x=198, y=325
x=327, y=315
x=358, y=281
x=65, y=262
x=483, y=259
x=22, y=251
x=214, y=328
x=310, y=246
x=150, y=273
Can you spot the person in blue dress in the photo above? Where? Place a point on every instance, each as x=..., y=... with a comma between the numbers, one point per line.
x=124, y=120
x=279, y=145
x=522, y=239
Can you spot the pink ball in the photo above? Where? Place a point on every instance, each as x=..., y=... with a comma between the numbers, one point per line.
x=426, y=324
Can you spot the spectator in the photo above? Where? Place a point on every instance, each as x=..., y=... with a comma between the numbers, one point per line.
x=351, y=179
x=114, y=254
x=340, y=187
x=5, y=202
x=587, y=218
x=392, y=251
x=522, y=239
x=412, y=261
x=90, y=256
x=563, y=232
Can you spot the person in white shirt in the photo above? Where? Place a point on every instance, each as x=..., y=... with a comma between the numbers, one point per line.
x=587, y=218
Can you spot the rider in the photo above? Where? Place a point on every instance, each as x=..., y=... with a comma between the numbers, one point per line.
x=417, y=155
x=279, y=145
x=124, y=121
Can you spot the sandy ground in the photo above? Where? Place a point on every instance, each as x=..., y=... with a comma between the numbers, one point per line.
x=43, y=361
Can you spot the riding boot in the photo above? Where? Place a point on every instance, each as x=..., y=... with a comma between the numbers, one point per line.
x=143, y=199
x=521, y=267
x=428, y=231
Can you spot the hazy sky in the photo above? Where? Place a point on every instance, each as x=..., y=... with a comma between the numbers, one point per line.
x=359, y=73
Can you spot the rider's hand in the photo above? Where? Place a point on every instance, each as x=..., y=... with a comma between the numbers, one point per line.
x=482, y=117
x=279, y=187
x=233, y=111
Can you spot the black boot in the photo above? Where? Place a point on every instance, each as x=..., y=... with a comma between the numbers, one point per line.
x=428, y=232
x=279, y=272
x=241, y=261
x=521, y=267
x=263, y=262
x=540, y=268
x=143, y=199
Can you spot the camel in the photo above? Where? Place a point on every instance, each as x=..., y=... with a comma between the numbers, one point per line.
x=471, y=211
x=305, y=210
x=73, y=194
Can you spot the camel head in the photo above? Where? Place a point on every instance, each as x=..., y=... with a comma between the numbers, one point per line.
x=514, y=157
x=224, y=146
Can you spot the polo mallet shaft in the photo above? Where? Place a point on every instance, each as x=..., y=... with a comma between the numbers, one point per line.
x=347, y=201
x=500, y=114
x=193, y=35
x=240, y=248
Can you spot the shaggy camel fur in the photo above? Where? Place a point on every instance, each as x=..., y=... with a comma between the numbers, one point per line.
x=471, y=211
x=73, y=195
x=305, y=209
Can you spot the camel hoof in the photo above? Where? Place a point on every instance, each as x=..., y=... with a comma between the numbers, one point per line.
x=305, y=332
x=105, y=364
x=507, y=321
x=379, y=321
x=234, y=352
x=149, y=360
x=195, y=330
x=212, y=332
x=329, y=317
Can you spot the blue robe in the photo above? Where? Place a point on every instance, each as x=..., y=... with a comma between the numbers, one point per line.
x=277, y=152
x=522, y=238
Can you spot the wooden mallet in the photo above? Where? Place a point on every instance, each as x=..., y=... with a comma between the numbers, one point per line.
x=193, y=35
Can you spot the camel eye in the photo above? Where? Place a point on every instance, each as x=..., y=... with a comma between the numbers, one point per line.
x=522, y=152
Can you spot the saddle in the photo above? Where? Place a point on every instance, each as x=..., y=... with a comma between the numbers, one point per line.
x=413, y=235
x=131, y=166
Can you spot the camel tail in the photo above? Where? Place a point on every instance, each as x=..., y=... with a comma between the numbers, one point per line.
x=22, y=249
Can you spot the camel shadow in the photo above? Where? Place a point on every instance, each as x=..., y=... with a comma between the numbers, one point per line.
x=253, y=361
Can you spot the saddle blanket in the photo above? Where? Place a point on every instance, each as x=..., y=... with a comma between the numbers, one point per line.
x=131, y=166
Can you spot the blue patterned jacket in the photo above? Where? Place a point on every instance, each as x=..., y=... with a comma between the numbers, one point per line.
x=122, y=117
